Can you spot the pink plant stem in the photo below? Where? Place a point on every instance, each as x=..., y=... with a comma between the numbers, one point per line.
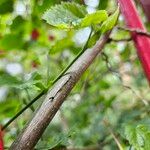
x=141, y=42
x=1, y=140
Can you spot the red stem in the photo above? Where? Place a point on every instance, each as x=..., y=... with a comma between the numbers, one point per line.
x=141, y=42
x=1, y=140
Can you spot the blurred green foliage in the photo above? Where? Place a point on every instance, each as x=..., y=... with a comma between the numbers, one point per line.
x=111, y=99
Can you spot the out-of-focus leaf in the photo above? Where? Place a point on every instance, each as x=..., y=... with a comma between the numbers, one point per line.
x=11, y=41
x=6, y=6
x=18, y=24
x=104, y=84
x=8, y=80
x=11, y=81
x=8, y=108
x=61, y=45
x=35, y=81
x=44, y=5
x=103, y=4
x=125, y=54
x=110, y=22
x=58, y=141
x=108, y=102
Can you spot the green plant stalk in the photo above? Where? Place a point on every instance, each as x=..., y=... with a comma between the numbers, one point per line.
x=46, y=89
x=29, y=99
x=78, y=55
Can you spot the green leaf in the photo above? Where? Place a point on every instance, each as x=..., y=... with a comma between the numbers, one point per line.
x=61, y=45
x=94, y=18
x=125, y=54
x=10, y=41
x=34, y=82
x=58, y=141
x=11, y=81
x=65, y=15
x=6, y=6
x=110, y=22
x=45, y=4
x=138, y=137
x=18, y=24
x=9, y=107
x=72, y=15
x=8, y=80
x=103, y=4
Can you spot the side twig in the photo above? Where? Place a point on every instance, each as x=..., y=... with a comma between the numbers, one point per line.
x=120, y=40
x=139, y=31
x=119, y=76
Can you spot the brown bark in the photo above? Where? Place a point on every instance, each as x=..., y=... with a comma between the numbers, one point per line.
x=55, y=97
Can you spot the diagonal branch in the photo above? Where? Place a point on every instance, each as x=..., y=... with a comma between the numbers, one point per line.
x=55, y=97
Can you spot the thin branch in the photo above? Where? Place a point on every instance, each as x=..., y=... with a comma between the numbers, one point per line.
x=29, y=99
x=109, y=67
x=120, y=40
x=117, y=73
x=48, y=68
x=107, y=124
x=138, y=31
x=55, y=97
